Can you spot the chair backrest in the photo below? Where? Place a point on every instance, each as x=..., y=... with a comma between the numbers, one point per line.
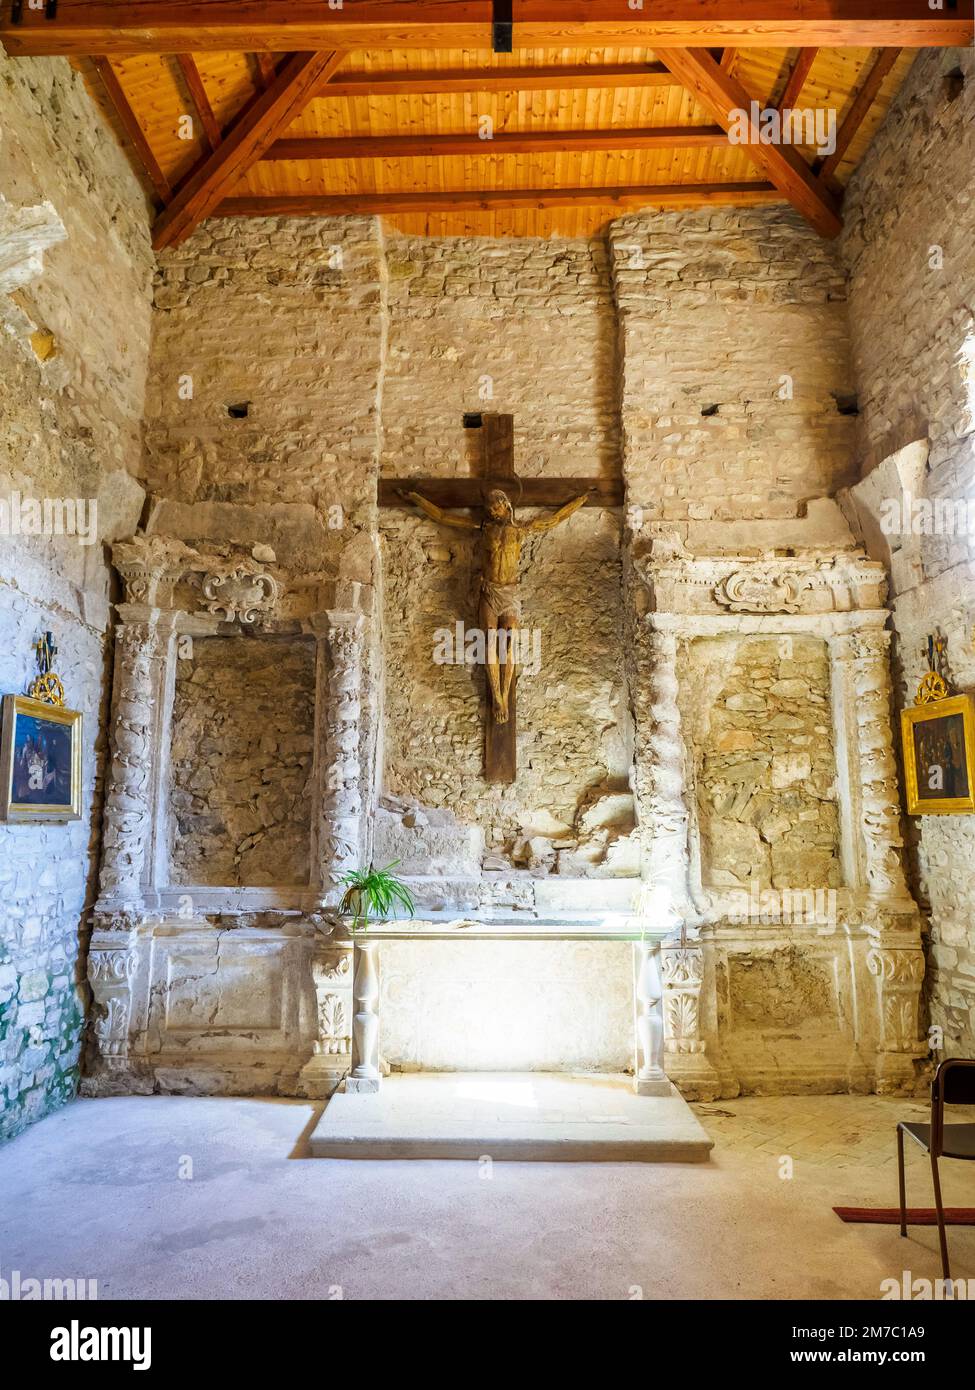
x=953, y=1084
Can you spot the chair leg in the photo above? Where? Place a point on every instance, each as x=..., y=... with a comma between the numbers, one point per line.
x=900, y=1179
x=941, y=1216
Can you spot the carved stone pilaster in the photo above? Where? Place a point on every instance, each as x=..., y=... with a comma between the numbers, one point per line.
x=685, y=1051
x=662, y=809
x=129, y=798
x=339, y=718
x=867, y=652
x=111, y=966
x=899, y=971
x=332, y=977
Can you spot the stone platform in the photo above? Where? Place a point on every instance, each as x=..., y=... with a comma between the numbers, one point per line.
x=522, y=1116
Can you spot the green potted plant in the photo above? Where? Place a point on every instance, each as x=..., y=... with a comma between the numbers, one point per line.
x=373, y=895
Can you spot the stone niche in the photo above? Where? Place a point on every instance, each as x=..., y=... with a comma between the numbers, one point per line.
x=241, y=736
x=243, y=729
x=765, y=763
x=769, y=818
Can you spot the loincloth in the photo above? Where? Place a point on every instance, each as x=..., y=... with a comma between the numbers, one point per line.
x=504, y=599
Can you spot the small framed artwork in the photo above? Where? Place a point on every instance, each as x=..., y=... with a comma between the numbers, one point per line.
x=40, y=761
x=939, y=756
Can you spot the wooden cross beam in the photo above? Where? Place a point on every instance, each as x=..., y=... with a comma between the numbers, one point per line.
x=498, y=471
x=721, y=94
x=251, y=135
x=279, y=26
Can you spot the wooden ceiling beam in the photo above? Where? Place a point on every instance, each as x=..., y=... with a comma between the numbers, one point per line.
x=797, y=78
x=132, y=127
x=267, y=68
x=199, y=98
x=721, y=94
x=515, y=79
x=253, y=132
x=494, y=200
x=859, y=107
x=86, y=27
x=504, y=143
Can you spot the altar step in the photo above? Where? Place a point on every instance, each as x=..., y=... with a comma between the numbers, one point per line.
x=540, y=1117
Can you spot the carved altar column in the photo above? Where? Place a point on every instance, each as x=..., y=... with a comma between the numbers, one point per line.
x=650, y=1079
x=665, y=866
x=365, y=1075
x=341, y=638
x=331, y=969
x=140, y=653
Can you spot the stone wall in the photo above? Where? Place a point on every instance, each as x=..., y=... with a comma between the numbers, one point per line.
x=527, y=328
x=735, y=370
x=241, y=758
x=765, y=762
x=661, y=350
x=74, y=304
x=263, y=408
x=910, y=248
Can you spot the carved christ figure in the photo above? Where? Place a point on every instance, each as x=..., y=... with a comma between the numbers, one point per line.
x=499, y=602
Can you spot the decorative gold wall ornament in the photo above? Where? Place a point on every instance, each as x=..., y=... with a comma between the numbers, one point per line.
x=934, y=683
x=932, y=687
x=46, y=687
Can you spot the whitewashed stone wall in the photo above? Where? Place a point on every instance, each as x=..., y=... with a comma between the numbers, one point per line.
x=70, y=427
x=910, y=248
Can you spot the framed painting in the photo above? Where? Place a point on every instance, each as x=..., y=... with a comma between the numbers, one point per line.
x=939, y=756
x=40, y=761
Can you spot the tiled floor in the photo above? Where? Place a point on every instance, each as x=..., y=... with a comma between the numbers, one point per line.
x=162, y=1197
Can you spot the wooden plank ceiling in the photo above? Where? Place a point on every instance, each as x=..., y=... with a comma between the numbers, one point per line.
x=222, y=121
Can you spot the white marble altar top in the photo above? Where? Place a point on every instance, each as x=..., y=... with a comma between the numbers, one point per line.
x=612, y=927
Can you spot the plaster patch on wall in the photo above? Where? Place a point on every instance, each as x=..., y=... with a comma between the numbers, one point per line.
x=781, y=989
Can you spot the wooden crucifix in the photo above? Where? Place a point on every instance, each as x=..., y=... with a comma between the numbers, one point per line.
x=499, y=603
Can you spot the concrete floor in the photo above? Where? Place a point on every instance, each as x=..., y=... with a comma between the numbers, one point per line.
x=95, y=1192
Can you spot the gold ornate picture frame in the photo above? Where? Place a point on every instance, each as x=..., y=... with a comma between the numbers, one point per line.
x=40, y=761
x=939, y=756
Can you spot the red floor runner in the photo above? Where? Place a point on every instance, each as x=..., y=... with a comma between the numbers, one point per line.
x=916, y=1216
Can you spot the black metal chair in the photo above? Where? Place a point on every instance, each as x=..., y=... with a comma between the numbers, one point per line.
x=953, y=1084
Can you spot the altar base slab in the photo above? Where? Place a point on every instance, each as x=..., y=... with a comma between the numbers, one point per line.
x=540, y=1117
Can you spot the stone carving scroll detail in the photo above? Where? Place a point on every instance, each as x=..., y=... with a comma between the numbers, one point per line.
x=682, y=969
x=333, y=989
x=242, y=593
x=110, y=972
x=899, y=972
x=757, y=591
